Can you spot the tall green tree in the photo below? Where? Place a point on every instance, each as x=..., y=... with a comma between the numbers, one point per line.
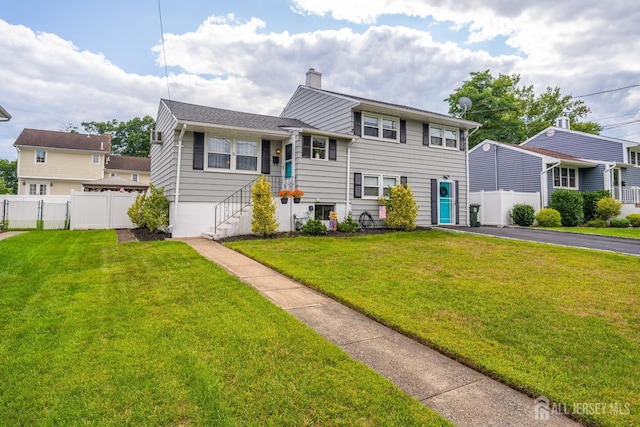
x=129, y=138
x=512, y=113
x=9, y=176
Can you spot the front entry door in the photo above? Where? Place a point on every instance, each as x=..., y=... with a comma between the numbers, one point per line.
x=446, y=202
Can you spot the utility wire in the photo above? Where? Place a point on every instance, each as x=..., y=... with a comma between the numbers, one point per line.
x=606, y=91
x=164, y=53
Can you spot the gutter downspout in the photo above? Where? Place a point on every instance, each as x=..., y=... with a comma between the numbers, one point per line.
x=177, y=192
x=349, y=174
x=543, y=188
x=467, y=221
x=607, y=170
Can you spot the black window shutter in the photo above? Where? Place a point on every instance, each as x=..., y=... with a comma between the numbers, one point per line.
x=306, y=146
x=266, y=156
x=357, y=185
x=333, y=149
x=403, y=131
x=463, y=140
x=357, y=123
x=425, y=134
x=434, y=202
x=457, y=192
x=403, y=181
x=198, y=151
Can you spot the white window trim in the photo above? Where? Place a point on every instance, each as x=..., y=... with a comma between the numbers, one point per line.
x=28, y=184
x=326, y=148
x=380, y=118
x=553, y=178
x=233, y=154
x=35, y=157
x=95, y=160
x=444, y=139
x=135, y=177
x=381, y=186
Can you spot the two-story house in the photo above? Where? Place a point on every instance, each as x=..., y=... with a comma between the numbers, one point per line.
x=55, y=163
x=343, y=151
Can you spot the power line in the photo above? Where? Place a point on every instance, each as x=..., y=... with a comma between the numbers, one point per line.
x=606, y=91
x=164, y=53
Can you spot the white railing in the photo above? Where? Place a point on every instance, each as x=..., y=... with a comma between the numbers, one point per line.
x=629, y=194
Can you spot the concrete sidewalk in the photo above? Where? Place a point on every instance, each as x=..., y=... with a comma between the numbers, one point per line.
x=7, y=234
x=459, y=393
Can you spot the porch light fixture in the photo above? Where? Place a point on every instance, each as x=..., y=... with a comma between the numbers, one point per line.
x=278, y=151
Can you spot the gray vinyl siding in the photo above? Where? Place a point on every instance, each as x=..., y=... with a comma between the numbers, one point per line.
x=322, y=179
x=591, y=179
x=163, y=157
x=321, y=110
x=631, y=176
x=516, y=170
x=417, y=162
x=582, y=145
x=482, y=169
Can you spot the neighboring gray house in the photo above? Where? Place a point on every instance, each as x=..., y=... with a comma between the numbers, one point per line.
x=558, y=158
x=343, y=151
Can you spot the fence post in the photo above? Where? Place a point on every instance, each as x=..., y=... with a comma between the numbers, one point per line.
x=40, y=220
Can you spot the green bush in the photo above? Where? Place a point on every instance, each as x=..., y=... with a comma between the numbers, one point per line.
x=349, y=225
x=634, y=219
x=313, y=227
x=548, y=218
x=402, y=209
x=619, y=223
x=523, y=214
x=608, y=207
x=569, y=204
x=151, y=211
x=597, y=223
x=263, y=219
x=589, y=200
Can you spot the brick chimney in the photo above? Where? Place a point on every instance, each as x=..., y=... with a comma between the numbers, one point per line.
x=314, y=79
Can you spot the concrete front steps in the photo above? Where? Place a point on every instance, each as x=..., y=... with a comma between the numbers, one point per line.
x=230, y=227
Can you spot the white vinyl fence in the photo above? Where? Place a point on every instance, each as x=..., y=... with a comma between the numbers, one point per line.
x=34, y=212
x=100, y=210
x=495, y=206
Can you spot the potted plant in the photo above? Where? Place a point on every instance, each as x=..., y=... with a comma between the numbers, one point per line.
x=284, y=196
x=296, y=194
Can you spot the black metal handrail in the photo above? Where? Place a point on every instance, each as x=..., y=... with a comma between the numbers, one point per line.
x=239, y=200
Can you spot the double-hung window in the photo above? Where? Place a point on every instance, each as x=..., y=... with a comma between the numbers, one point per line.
x=443, y=137
x=374, y=186
x=41, y=156
x=37, y=189
x=232, y=154
x=634, y=158
x=95, y=159
x=319, y=147
x=565, y=177
x=379, y=127
x=134, y=177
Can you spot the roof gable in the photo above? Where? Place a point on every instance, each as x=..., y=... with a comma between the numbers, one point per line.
x=576, y=135
x=218, y=116
x=63, y=140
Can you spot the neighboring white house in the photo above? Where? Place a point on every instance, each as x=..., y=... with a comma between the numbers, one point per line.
x=343, y=151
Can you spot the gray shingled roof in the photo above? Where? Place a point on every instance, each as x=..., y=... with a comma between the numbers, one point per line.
x=64, y=140
x=128, y=163
x=218, y=116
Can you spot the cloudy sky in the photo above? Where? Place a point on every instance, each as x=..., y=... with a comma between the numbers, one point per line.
x=71, y=61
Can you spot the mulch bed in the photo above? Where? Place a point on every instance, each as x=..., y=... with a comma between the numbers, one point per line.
x=144, y=235
x=361, y=232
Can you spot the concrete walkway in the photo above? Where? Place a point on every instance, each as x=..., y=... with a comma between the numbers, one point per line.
x=459, y=393
x=7, y=234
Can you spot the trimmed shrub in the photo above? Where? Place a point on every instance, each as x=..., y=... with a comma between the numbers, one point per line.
x=569, y=204
x=523, y=214
x=634, y=219
x=589, y=201
x=313, y=227
x=263, y=220
x=619, y=223
x=548, y=218
x=608, y=207
x=402, y=209
x=349, y=225
x=597, y=223
x=151, y=211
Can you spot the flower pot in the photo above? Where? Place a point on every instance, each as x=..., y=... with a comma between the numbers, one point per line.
x=296, y=200
x=284, y=200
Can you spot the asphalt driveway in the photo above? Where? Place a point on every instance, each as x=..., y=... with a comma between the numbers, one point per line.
x=589, y=241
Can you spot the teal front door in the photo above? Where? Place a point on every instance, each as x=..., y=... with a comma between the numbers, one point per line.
x=446, y=202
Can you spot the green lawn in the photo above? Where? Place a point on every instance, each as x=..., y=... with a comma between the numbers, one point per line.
x=97, y=333
x=609, y=231
x=553, y=321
